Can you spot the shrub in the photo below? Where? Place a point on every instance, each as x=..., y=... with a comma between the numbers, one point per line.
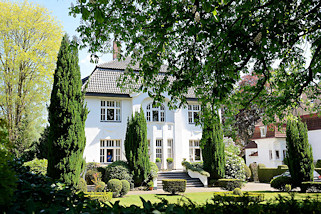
x=82, y=185
x=100, y=196
x=169, y=160
x=153, y=170
x=90, y=176
x=115, y=186
x=237, y=191
x=254, y=172
x=192, y=167
x=230, y=184
x=8, y=176
x=119, y=170
x=150, y=184
x=100, y=186
x=231, y=197
x=37, y=166
x=318, y=163
x=234, y=166
x=280, y=182
x=102, y=170
x=174, y=185
x=197, y=164
x=92, y=165
x=261, y=165
x=288, y=187
x=311, y=186
x=266, y=174
x=158, y=160
x=247, y=172
x=125, y=187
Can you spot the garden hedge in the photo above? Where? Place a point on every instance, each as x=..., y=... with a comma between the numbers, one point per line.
x=115, y=186
x=230, y=196
x=280, y=182
x=311, y=186
x=266, y=174
x=230, y=184
x=174, y=185
x=100, y=196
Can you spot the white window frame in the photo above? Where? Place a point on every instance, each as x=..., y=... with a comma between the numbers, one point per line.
x=193, y=109
x=107, y=144
x=110, y=106
x=150, y=109
x=193, y=146
x=263, y=130
x=170, y=143
x=159, y=149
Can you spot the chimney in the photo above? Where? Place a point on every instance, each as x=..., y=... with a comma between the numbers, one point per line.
x=115, y=50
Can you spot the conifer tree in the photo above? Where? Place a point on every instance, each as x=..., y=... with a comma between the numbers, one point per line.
x=67, y=116
x=136, y=147
x=212, y=144
x=299, y=151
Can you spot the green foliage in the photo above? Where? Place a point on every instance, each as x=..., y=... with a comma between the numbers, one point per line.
x=67, y=116
x=288, y=187
x=254, y=172
x=150, y=184
x=280, y=182
x=169, y=160
x=158, y=160
x=153, y=170
x=37, y=166
x=248, y=172
x=90, y=176
x=261, y=165
x=125, y=188
x=115, y=186
x=234, y=164
x=212, y=144
x=318, y=164
x=119, y=170
x=318, y=170
x=99, y=186
x=103, y=197
x=136, y=147
x=195, y=168
x=237, y=191
x=92, y=165
x=311, y=186
x=266, y=174
x=82, y=185
x=232, y=197
x=230, y=184
x=299, y=151
x=174, y=185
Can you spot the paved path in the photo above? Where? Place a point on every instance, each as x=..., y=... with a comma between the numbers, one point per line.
x=250, y=186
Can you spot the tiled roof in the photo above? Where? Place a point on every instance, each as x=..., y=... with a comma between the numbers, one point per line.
x=104, y=78
x=251, y=145
x=254, y=154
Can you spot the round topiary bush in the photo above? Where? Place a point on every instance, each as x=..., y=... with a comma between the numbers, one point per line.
x=247, y=172
x=119, y=170
x=280, y=182
x=82, y=185
x=115, y=186
x=125, y=188
x=89, y=177
x=100, y=186
x=237, y=191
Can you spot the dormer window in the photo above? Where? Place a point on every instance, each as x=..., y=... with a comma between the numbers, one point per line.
x=263, y=130
x=155, y=113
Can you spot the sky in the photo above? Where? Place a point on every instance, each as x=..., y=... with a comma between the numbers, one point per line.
x=59, y=9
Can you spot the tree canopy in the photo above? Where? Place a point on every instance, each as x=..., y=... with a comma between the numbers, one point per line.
x=29, y=43
x=208, y=45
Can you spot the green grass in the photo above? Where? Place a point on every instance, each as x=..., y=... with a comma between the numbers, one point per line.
x=200, y=197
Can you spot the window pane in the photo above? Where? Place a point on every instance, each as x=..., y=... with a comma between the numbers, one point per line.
x=148, y=106
x=189, y=107
x=117, y=114
x=196, y=107
x=162, y=107
x=197, y=154
x=148, y=116
x=102, y=114
x=117, y=104
x=162, y=116
x=110, y=114
x=155, y=116
x=190, y=117
x=190, y=143
x=102, y=103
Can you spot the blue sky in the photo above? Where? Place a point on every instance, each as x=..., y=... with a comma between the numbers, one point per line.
x=59, y=9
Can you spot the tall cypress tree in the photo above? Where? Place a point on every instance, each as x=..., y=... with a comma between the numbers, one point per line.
x=299, y=151
x=67, y=116
x=136, y=147
x=212, y=144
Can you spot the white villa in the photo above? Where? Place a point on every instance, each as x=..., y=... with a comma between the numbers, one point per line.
x=171, y=133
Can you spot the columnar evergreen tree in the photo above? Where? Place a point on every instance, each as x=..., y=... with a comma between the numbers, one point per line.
x=212, y=144
x=136, y=147
x=299, y=151
x=67, y=116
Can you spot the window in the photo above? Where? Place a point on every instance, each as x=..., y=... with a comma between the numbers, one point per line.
x=170, y=148
x=155, y=113
x=263, y=130
x=159, y=149
x=277, y=154
x=284, y=154
x=193, y=112
x=194, y=150
x=109, y=151
x=110, y=110
x=270, y=154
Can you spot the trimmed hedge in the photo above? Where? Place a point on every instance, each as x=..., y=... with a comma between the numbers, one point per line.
x=311, y=186
x=248, y=172
x=266, y=174
x=231, y=197
x=192, y=167
x=174, y=185
x=280, y=182
x=230, y=184
x=100, y=186
x=125, y=188
x=100, y=196
x=119, y=170
x=115, y=186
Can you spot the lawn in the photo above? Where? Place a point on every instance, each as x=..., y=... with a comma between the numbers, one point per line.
x=200, y=197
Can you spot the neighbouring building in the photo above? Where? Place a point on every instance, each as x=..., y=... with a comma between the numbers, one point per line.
x=171, y=133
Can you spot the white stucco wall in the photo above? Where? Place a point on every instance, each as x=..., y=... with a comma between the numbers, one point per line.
x=181, y=132
x=315, y=141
